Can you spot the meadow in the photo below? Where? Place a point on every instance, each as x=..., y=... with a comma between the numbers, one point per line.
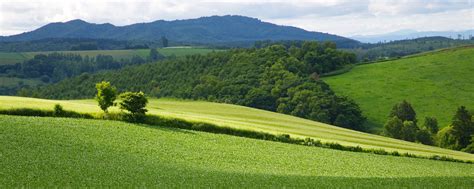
x=65, y=152
x=249, y=119
x=435, y=83
x=17, y=57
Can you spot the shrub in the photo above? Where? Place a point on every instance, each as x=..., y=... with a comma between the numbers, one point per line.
x=135, y=103
x=58, y=110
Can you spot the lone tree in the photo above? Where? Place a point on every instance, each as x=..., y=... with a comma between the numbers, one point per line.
x=135, y=103
x=106, y=95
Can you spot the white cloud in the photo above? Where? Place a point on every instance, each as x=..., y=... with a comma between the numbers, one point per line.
x=344, y=17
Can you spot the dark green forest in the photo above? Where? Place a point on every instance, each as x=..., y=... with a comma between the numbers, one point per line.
x=275, y=78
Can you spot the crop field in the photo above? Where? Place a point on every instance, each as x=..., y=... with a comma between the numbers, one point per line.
x=250, y=119
x=12, y=58
x=64, y=152
x=434, y=83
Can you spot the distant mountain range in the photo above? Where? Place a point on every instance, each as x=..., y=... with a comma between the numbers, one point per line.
x=412, y=34
x=204, y=30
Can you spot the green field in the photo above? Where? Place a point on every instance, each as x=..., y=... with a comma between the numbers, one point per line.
x=250, y=119
x=12, y=58
x=64, y=152
x=434, y=83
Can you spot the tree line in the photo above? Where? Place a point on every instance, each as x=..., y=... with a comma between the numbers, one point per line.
x=54, y=67
x=459, y=135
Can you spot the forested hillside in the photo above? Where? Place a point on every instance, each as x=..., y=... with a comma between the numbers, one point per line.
x=274, y=78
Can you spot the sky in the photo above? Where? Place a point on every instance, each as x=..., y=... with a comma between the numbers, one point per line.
x=342, y=17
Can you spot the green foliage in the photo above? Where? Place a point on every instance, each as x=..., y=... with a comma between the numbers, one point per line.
x=400, y=48
x=58, y=110
x=446, y=139
x=274, y=78
x=409, y=131
x=135, y=103
x=106, y=95
x=393, y=127
x=431, y=124
x=155, y=55
x=430, y=82
x=470, y=147
x=462, y=127
x=404, y=111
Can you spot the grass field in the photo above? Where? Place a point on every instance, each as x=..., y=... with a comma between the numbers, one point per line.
x=64, y=152
x=12, y=58
x=434, y=83
x=250, y=119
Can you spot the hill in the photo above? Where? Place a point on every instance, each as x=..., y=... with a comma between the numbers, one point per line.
x=435, y=83
x=249, y=119
x=96, y=153
x=205, y=30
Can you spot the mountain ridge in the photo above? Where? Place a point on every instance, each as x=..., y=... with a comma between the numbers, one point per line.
x=204, y=30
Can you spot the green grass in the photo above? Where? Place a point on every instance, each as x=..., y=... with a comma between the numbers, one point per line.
x=250, y=119
x=434, y=83
x=64, y=152
x=16, y=57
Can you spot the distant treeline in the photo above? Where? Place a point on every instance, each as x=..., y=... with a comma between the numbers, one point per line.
x=54, y=67
x=379, y=51
x=76, y=44
x=274, y=78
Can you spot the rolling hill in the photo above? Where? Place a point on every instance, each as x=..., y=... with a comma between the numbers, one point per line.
x=205, y=30
x=64, y=152
x=435, y=83
x=249, y=119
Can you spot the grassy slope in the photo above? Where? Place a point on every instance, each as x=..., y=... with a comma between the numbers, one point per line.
x=252, y=119
x=434, y=83
x=73, y=152
x=11, y=58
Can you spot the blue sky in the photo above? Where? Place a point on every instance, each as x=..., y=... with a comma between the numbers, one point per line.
x=343, y=17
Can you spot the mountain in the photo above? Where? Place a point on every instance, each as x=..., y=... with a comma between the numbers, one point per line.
x=206, y=30
x=412, y=34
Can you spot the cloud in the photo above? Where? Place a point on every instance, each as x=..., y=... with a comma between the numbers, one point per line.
x=344, y=17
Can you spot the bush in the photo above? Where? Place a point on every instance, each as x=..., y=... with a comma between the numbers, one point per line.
x=58, y=110
x=135, y=103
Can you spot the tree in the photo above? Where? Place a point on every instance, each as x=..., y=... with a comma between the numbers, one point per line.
x=393, y=127
x=155, y=55
x=424, y=136
x=409, y=131
x=431, y=124
x=463, y=127
x=446, y=138
x=404, y=111
x=164, y=41
x=106, y=95
x=469, y=148
x=134, y=102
